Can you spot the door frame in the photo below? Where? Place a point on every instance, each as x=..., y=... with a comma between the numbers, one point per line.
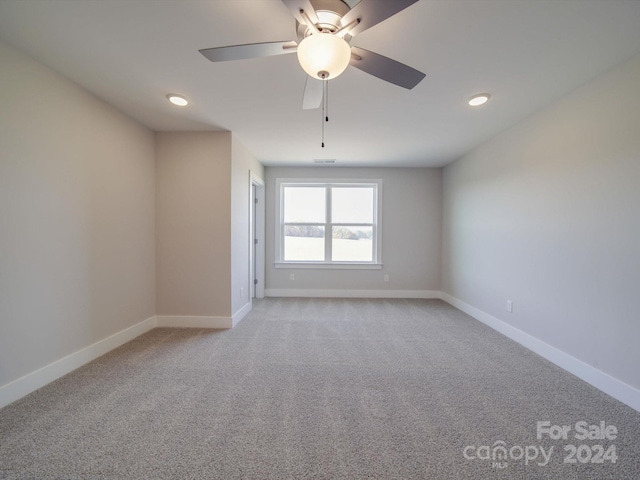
x=256, y=232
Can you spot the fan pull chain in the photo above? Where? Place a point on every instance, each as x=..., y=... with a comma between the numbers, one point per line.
x=326, y=97
x=325, y=101
x=325, y=105
x=322, y=117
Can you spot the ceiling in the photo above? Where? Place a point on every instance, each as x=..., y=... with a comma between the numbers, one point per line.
x=525, y=53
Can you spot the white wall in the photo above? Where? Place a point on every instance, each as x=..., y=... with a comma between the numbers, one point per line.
x=76, y=218
x=547, y=215
x=193, y=223
x=411, y=233
x=243, y=163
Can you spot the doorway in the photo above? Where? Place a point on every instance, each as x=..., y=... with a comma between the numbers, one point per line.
x=256, y=236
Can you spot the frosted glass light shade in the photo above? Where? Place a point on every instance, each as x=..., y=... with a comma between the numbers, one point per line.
x=324, y=52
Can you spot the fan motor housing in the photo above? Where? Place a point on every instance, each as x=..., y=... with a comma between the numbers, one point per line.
x=329, y=13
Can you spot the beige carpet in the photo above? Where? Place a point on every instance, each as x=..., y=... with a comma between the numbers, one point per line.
x=317, y=388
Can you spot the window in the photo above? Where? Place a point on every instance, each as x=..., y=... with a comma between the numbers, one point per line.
x=328, y=223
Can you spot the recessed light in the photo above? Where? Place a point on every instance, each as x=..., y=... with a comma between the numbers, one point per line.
x=178, y=100
x=479, y=99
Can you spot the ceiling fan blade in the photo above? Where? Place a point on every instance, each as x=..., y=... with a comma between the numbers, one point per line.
x=296, y=5
x=372, y=12
x=385, y=68
x=312, y=97
x=250, y=50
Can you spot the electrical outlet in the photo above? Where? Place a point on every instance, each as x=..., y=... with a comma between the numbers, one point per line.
x=509, y=306
x=386, y=278
x=241, y=292
x=292, y=277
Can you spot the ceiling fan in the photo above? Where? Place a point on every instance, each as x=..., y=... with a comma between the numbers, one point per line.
x=325, y=29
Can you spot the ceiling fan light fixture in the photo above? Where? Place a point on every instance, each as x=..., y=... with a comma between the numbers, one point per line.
x=479, y=99
x=324, y=55
x=178, y=100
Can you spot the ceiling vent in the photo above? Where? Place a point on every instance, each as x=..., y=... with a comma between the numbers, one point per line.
x=324, y=161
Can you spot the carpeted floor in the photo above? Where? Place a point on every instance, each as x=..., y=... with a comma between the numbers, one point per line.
x=318, y=388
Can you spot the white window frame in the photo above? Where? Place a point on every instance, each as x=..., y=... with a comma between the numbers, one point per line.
x=376, y=262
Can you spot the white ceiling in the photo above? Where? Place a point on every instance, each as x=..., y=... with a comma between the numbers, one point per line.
x=527, y=54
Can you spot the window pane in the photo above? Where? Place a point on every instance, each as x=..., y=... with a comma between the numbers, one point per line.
x=304, y=204
x=353, y=244
x=352, y=205
x=303, y=242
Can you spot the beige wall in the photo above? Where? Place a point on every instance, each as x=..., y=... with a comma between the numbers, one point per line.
x=76, y=218
x=547, y=215
x=98, y=215
x=411, y=232
x=193, y=223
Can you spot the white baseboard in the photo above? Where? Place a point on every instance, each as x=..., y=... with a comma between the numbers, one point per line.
x=186, y=321
x=191, y=321
x=240, y=314
x=32, y=381
x=602, y=381
x=338, y=293
x=23, y=386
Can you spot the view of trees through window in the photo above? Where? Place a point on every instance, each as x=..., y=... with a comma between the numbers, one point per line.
x=328, y=223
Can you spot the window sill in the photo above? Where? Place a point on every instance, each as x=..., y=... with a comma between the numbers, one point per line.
x=334, y=265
